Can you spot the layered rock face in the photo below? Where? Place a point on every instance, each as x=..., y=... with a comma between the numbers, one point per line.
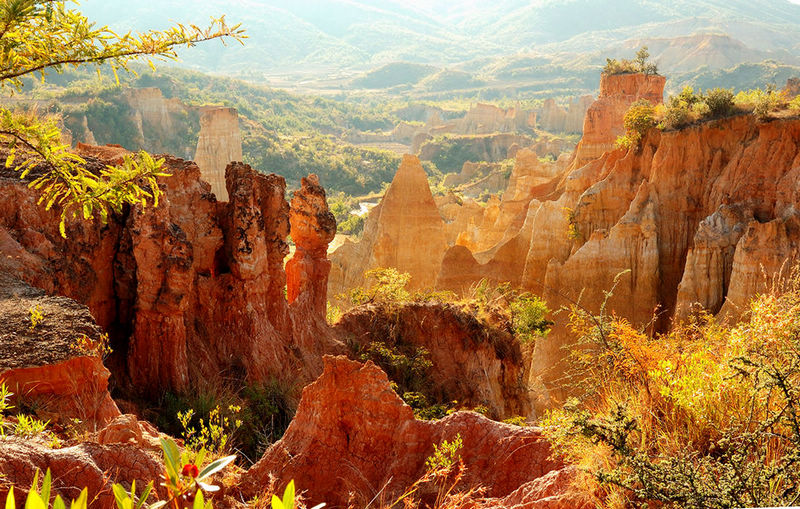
x=603, y=122
x=552, y=117
x=473, y=363
x=487, y=118
x=703, y=216
x=219, y=143
x=91, y=465
x=189, y=289
x=155, y=117
x=41, y=357
x=353, y=439
x=404, y=231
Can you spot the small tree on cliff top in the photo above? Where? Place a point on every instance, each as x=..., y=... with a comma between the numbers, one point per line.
x=640, y=64
x=37, y=36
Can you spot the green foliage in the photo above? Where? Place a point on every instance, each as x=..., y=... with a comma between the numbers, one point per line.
x=794, y=105
x=39, y=497
x=29, y=427
x=517, y=420
x=267, y=409
x=407, y=365
x=5, y=395
x=36, y=316
x=445, y=455
x=623, y=66
x=528, y=320
x=44, y=35
x=719, y=102
x=389, y=287
x=353, y=225
x=184, y=479
x=703, y=417
x=639, y=118
x=63, y=178
x=761, y=102
x=212, y=432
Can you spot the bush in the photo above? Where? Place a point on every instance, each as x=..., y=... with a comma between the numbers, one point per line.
x=639, y=118
x=639, y=64
x=528, y=320
x=794, y=105
x=703, y=417
x=761, y=102
x=719, y=101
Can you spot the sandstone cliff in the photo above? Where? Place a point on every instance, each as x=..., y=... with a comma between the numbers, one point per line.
x=219, y=143
x=603, y=122
x=556, y=119
x=404, y=231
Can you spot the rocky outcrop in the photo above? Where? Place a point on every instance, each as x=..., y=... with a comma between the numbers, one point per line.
x=488, y=118
x=603, y=121
x=472, y=363
x=189, y=289
x=93, y=466
x=459, y=215
x=45, y=355
x=556, y=119
x=157, y=118
x=313, y=228
x=353, y=439
x=484, y=147
x=404, y=231
x=219, y=143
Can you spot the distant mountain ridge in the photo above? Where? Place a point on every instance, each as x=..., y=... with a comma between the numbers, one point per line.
x=336, y=41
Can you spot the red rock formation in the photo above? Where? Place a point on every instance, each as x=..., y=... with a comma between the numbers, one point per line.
x=352, y=436
x=219, y=143
x=603, y=123
x=89, y=465
x=404, y=231
x=473, y=363
x=313, y=228
x=42, y=363
x=188, y=289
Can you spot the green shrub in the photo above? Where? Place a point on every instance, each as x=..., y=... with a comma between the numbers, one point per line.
x=389, y=287
x=623, y=66
x=705, y=416
x=639, y=118
x=794, y=105
x=528, y=320
x=761, y=102
x=719, y=101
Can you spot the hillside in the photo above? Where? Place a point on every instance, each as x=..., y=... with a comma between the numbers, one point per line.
x=326, y=38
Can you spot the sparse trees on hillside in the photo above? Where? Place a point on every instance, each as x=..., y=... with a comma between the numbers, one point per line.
x=37, y=36
x=639, y=64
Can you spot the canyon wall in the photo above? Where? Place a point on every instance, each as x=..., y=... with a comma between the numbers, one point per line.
x=603, y=122
x=219, y=143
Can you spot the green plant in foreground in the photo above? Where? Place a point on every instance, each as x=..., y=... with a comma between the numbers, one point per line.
x=39, y=498
x=36, y=316
x=28, y=426
x=287, y=502
x=445, y=455
x=184, y=479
